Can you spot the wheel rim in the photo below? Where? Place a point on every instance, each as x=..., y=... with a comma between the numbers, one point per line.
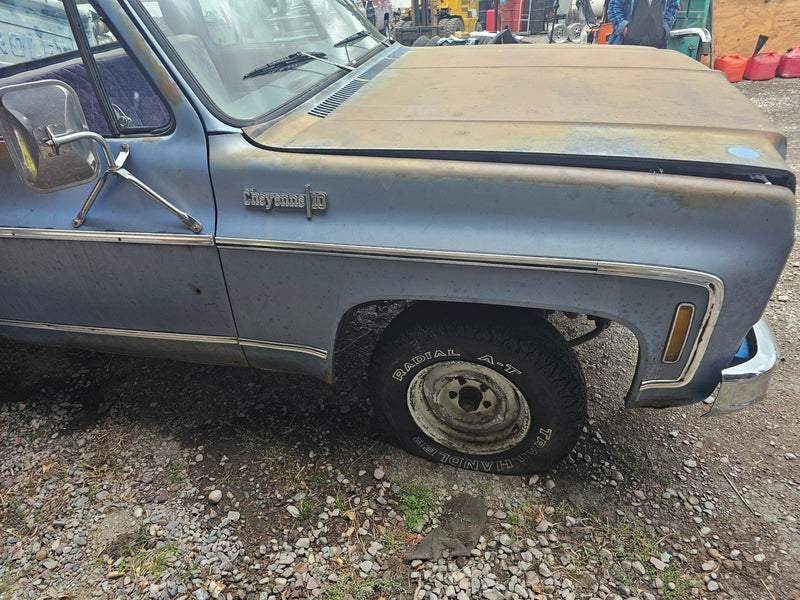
x=468, y=407
x=559, y=33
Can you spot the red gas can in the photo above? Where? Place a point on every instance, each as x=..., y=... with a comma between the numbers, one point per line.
x=732, y=65
x=762, y=66
x=789, y=65
x=511, y=15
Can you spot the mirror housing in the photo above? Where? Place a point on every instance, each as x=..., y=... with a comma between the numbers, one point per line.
x=30, y=115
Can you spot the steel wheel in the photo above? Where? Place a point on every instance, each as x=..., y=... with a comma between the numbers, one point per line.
x=468, y=408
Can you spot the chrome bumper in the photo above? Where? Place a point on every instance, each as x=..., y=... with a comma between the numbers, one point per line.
x=747, y=383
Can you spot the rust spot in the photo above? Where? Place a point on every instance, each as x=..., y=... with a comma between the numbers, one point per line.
x=5, y=159
x=197, y=291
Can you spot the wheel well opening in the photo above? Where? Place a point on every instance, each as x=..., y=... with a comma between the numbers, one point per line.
x=608, y=359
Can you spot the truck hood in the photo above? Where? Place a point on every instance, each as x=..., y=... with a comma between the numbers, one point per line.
x=537, y=103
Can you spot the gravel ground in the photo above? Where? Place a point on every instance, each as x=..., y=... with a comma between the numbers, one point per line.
x=128, y=478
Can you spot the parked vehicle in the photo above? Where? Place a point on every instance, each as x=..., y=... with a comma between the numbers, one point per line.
x=431, y=18
x=213, y=181
x=377, y=12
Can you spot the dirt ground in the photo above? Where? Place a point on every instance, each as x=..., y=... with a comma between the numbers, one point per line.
x=721, y=489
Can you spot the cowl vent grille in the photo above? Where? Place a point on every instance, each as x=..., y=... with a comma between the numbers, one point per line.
x=333, y=102
x=375, y=69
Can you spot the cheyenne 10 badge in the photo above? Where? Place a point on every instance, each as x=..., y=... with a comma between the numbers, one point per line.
x=310, y=201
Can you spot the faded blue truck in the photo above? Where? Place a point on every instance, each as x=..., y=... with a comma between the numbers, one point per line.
x=228, y=181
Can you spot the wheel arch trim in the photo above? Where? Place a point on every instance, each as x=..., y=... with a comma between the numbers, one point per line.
x=712, y=284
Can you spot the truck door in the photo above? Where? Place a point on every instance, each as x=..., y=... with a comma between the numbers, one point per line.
x=132, y=277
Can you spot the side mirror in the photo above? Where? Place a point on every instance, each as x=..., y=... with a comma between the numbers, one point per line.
x=31, y=114
x=52, y=148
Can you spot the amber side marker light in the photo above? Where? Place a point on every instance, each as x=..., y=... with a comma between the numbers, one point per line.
x=681, y=324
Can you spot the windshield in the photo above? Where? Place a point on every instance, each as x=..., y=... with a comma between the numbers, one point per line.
x=250, y=57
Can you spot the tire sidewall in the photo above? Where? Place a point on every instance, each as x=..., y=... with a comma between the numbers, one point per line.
x=549, y=436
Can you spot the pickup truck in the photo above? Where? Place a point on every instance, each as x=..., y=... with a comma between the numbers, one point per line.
x=227, y=182
x=378, y=12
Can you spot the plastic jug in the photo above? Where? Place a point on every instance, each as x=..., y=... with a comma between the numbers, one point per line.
x=762, y=66
x=789, y=65
x=732, y=65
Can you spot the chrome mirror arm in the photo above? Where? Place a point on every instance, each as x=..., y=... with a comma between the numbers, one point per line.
x=115, y=167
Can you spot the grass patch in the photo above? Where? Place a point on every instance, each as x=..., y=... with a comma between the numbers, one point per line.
x=39, y=433
x=341, y=504
x=141, y=560
x=175, y=472
x=630, y=539
x=317, y=479
x=6, y=584
x=642, y=466
x=416, y=500
x=392, y=541
x=271, y=448
x=307, y=508
x=359, y=588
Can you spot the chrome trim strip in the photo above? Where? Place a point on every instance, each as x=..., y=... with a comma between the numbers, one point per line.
x=712, y=284
x=152, y=335
x=117, y=237
x=384, y=252
x=317, y=352
x=171, y=337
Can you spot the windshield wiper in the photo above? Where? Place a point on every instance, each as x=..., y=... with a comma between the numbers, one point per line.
x=291, y=61
x=358, y=35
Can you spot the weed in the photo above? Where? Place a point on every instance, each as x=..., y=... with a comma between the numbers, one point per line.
x=41, y=432
x=392, y=541
x=317, y=479
x=351, y=584
x=272, y=448
x=342, y=504
x=226, y=481
x=641, y=465
x=6, y=584
x=416, y=500
x=683, y=583
x=175, y=472
x=159, y=558
x=628, y=539
x=307, y=510
x=140, y=559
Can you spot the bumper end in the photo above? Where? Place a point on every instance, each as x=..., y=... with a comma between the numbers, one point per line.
x=747, y=383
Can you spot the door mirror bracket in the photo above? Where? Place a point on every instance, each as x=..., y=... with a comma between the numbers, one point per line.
x=51, y=147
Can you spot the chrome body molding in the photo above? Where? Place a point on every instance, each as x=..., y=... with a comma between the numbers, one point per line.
x=114, y=237
x=167, y=336
x=152, y=335
x=712, y=284
x=317, y=352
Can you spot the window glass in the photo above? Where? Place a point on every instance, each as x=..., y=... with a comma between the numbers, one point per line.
x=222, y=42
x=36, y=43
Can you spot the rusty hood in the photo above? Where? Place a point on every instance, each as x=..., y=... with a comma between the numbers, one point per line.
x=553, y=104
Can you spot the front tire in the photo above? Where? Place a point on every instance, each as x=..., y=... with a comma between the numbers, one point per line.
x=453, y=25
x=492, y=391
